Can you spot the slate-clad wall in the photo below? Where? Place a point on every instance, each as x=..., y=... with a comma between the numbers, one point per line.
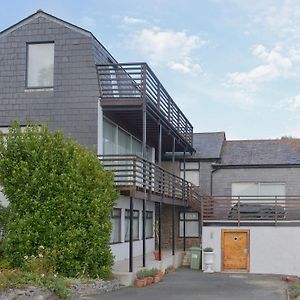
x=223, y=178
x=72, y=105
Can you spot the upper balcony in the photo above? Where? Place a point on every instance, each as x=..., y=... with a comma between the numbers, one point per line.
x=125, y=89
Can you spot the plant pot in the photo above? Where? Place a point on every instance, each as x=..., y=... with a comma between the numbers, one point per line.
x=157, y=278
x=139, y=283
x=160, y=274
x=149, y=280
x=208, y=259
x=156, y=255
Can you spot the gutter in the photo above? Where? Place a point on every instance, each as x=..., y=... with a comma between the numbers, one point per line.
x=263, y=166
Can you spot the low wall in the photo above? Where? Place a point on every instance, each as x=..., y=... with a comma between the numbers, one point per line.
x=273, y=250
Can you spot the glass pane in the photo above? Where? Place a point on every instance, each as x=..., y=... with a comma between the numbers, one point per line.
x=116, y=230
x=191, y=176
x=244, y=189
x=271, y=189
x=191, y=229
x=136, y=147
x=149, y=228
x=40, y=65
x=109, y=137
x=124, y=142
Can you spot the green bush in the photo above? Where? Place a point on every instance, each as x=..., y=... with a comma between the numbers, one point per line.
x=60, y=197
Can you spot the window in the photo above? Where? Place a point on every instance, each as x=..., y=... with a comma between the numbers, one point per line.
x=192, y=172
x=149, y=224
x=116, y=225
x=260, y=189
x=124, y=142
x=191, y=224
x=135, y=224
x=40, y=65
x=109, y=138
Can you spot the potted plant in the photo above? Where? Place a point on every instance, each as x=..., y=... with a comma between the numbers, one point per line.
x=140, y=280
x=158, y=275
x=149, y=277
x=208, y=259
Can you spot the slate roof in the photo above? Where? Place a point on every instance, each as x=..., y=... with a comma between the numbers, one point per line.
x=208, y=145
x=261, y=152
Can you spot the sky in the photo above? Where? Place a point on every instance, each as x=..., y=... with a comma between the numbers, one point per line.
x=231, y=65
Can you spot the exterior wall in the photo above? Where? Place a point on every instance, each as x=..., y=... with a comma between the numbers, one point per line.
x=273, y=250
x=166, y=228
x=72, y=105
x=223, y=178
x=205, y=177
x=168, y=165
x=121, y=250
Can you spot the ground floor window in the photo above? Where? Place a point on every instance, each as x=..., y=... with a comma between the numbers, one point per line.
x=135, y=225
x=116, y=225
x=149, y=224
x=191, y=224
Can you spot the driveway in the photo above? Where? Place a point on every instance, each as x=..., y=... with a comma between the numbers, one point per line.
x=189, y=285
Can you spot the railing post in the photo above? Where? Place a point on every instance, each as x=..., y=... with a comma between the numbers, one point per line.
x=276, y=210
x=239, y=211
x=131, y=236
x=144, y=80
x=158, y=95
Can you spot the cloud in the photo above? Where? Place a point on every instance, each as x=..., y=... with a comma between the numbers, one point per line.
x=132, y=21
x=168, y=48
x=294, y=103
x=274, y=65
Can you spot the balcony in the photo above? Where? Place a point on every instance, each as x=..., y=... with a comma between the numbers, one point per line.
x=126, y=88
x=275, y=210
x=135, y=176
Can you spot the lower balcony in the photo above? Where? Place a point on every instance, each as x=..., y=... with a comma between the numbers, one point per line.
x=241, y=210
x=139, y=178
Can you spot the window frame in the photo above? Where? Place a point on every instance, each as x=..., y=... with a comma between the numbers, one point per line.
x=148, y=212
x=27, y=65
x=188, y=220
x=120, y=224
x=133, y=218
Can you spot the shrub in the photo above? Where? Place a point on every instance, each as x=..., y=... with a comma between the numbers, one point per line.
x=60, y=197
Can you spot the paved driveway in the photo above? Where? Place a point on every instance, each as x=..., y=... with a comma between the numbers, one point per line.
x=186, y=284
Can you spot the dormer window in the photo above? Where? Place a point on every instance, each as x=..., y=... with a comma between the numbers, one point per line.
x=40, y=65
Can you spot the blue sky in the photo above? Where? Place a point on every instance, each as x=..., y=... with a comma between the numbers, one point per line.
x=231, y=65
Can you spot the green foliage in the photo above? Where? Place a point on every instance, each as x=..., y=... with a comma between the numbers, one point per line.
x=144, y=273
x=60, y=197
x=294, y=291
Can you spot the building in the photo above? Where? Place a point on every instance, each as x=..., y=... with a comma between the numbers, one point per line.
x=251, y=218
x=55, y=72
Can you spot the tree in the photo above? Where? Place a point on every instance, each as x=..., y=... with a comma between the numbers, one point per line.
x=60, y=197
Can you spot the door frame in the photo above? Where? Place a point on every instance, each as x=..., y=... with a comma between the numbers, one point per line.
x=223, y=231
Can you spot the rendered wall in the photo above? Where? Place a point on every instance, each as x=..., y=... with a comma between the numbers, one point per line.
x=273, y=250
x=121, y=250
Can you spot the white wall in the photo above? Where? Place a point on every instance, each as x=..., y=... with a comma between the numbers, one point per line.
x=272, y=249
x=3, y=199
x=121, y=250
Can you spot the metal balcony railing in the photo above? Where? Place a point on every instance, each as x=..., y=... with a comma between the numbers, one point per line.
x=135, y=173
x=275, y=209
x=136, y=81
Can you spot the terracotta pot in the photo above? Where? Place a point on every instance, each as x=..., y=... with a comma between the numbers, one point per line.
x=160, y=274
x=157, y=278
x=156, y=255
x=139, y=283
x=149, y=280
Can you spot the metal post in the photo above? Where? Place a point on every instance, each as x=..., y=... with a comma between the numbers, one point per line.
x=160, y=187
x=144, y=180
x=159, y=229
x=173, y=194
x=239, y=211
x=131, y=236
x=184, y=208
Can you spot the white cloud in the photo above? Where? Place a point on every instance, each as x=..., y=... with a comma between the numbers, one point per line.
x=274, y=65
x=168, y=48
x=294, y=103
x=132, y=21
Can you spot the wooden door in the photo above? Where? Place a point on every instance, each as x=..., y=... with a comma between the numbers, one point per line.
x=235, y=250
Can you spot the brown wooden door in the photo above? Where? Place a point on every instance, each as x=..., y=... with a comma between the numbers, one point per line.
x=235, y=250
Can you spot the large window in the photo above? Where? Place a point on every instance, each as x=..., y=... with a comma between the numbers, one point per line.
x=191, y=224
x=135, y=224
x=40, y=65
x=116, y=225
x=192, y=172
x=260, y=189
x=149, y=224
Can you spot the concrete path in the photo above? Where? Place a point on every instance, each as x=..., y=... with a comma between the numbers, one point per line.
x=186, y=284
